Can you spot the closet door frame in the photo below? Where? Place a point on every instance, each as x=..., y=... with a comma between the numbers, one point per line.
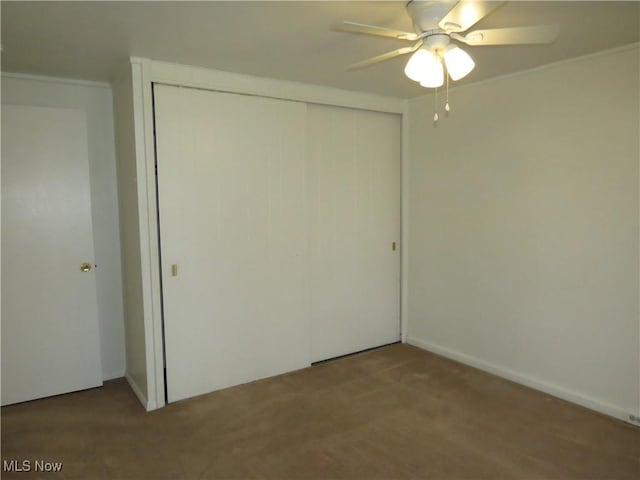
x=144, y=73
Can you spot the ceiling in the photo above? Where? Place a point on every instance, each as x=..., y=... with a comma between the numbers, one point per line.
x=284, y=40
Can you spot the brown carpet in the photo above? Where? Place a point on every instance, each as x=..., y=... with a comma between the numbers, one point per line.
x=396, y=412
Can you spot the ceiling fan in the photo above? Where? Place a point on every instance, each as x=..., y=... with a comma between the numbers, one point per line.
x=438, y=25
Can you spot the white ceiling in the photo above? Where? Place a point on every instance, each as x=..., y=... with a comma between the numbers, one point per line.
x=285, y=40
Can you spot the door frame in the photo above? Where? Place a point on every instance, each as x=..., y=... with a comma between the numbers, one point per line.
x=144, y=73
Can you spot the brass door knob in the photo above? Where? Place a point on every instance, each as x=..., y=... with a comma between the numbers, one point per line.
x=85, y=267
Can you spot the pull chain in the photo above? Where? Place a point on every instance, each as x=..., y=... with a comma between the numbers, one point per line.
x=446, y=105
x=435, y=106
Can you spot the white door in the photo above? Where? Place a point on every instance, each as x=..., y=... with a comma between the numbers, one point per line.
x=232, y=192
x=50, y=341
x=354, y=172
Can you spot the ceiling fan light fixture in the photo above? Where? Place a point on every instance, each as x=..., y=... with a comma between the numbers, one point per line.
x=416, y=64
x=425, y=67
x=436, y=23
x=434, y=77
x=458, y=62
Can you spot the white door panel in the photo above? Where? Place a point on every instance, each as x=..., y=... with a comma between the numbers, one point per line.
x=354, y=172
x=50, y=342
x=233, y=205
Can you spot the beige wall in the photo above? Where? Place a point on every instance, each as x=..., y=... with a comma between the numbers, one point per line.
x=96, y=101
x=524, y=227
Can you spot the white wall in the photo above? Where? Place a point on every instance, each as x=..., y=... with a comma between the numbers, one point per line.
x=136, y=341
x=96, y=101
x=524, y=226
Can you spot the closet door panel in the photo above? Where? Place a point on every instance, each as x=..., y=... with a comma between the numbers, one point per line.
x=233, y=205
x=354, y=177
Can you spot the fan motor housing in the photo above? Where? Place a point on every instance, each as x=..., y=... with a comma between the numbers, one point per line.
x=427, y=13
x=437, y=41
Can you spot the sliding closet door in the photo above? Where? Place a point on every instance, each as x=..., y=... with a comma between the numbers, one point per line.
x=354, y=173
x=233, y=205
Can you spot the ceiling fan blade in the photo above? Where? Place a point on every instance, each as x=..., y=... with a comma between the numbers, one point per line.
x=467, y=13
x=384, y=56
x=540, y=34
x=353, y=27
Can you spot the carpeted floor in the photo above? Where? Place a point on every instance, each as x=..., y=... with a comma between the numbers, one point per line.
x=395, y=412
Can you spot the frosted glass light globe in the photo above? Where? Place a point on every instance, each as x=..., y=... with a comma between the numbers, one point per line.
x=425, y=67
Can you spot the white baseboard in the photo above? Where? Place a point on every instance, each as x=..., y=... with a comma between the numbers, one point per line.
x=535, y=383
x=141, y=396
x=112, y=375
